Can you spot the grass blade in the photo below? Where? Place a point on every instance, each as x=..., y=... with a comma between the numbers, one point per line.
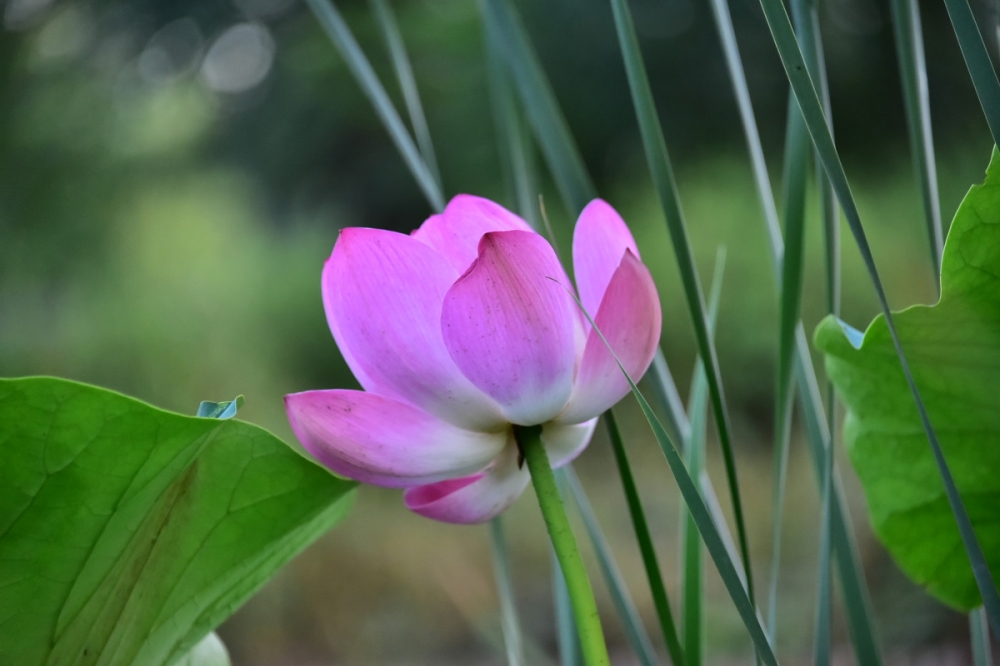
x=738, y=79
x=913, y=74
x=505, y=591
x=561, y=154
x=692, y=560
x=661, y=384
x=977, y=60
x=980, y=634
x=513, y=142
x=805, y=13
x=664, y=390
x=719, y=518
x=806, y=17
x=515, y=147
x=858, y=605
x=340, y=34
x=856, y=598
x=711, y=524
x=812, y=111
x=386, y=20
x=634, y=630
x=653, y=574
x=549, y=125
x=822, y=646
x=797, y=153
x=724, y=558
x=566, y=636
x=663, y=180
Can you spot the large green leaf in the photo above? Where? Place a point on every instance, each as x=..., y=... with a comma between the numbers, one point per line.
x=954, y=352
x=127, y=532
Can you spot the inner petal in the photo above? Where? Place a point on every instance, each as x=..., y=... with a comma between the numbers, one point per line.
x=510, y=324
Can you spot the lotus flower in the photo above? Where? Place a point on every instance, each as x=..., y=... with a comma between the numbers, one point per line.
x=462, y=330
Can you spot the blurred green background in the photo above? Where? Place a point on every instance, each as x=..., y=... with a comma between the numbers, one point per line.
x=174, y=173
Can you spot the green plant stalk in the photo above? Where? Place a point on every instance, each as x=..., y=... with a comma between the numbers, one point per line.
x=805, y=14
x=857, y=604
x=550, y=128
x=710, y=524
x=578, y=191
x=977, y=60
x=979, y=632
x=505, y=591
x=516, y=148
x=662, y=385
x=806, y=17
x=566, y=635
x=387, y=23
x=513, y=142
x=797, y=155
x=824, y=603
x=564, y=158
x=912, y=65
x=663, y=179
x=913, y=76
x=819, y=426
x=692, y=559
x=646, y=548
x=340, y=34
x=856, y=598
x=516, y=151
x=812, y=111
x=581, y=595
x=722, y=555
x=738, y=79
x=635, y=632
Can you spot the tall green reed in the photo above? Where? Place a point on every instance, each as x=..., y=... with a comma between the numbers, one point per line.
x=523, y=99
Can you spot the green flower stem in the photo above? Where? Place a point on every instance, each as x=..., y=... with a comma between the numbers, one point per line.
x=581, y=595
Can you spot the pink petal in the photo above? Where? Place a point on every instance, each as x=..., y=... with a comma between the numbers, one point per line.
x=378, y=440
x=511, y=327
x=564, y=443
x=630, y=318
x=472, y=499
x=455, y=233
x=383, y=293
x=599, y=241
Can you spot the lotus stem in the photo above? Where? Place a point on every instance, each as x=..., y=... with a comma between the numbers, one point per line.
x=581, y=595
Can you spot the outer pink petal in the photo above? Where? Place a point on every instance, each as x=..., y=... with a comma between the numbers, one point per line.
x=564, y=443
x=455, y=233
x=378, y=440
x=599, y=241
x=383, y=293
x=472, y=499
x=630, y=319
x=510, y=326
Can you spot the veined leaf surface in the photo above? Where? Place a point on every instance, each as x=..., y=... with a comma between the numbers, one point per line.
x=127, y=533
x=954, y=351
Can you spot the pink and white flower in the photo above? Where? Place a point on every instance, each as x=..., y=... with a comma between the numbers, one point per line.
x=462, y=330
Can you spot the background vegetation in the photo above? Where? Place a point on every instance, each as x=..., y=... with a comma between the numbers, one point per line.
x=173, y=175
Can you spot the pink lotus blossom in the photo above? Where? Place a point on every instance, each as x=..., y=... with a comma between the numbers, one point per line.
x=463, y=329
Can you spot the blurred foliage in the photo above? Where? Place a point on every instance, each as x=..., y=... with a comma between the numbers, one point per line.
x=173, y=175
